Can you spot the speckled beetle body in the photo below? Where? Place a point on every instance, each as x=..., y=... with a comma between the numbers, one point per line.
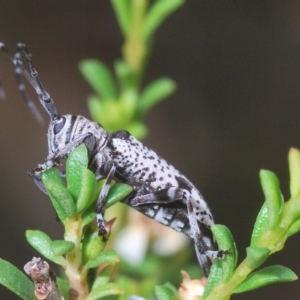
x=159, y=190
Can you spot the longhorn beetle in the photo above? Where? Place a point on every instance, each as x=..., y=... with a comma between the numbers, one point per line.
x=159, y=190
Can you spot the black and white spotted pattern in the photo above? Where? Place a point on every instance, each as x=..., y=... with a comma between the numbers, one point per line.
x=159, y=190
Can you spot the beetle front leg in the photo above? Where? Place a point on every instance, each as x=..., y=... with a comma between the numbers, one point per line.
x=111, y=166
x=88, y=139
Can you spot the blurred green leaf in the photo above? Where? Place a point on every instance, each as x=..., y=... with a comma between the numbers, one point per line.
x=96, y=108
x=274, y=199
x=63, y=286
x=76, y=163
x=158, y=12
x=268, y=275
x=137, y=129
x=99, y=77
x=105, y=290
x=225, y=242
x=294, y=166
x=172, y=288
x=125, y=74
x=122, y=10
x=107, y=112
x=164, y=292
x=16, y=281
x=261, y=225
x=60, y=247
x=128, y=104
x=104, y=276
x=92, y=245
x=117, y=193
x=41, y=242
x=105, y=257
x=256, y=256
x=155, y=92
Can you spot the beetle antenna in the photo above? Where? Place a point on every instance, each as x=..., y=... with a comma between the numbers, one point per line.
x=33, y=78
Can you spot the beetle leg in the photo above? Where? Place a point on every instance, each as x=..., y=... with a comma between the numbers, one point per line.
x=163, y=196
x=102, y=197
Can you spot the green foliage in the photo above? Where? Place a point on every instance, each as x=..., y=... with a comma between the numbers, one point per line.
x=268, y=275
x=119, y=102
x=164, y=292
x=276, y=221
x=16, y=281
x=82, y=249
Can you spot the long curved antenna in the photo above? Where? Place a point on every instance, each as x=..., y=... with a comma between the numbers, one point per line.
x=45, y=99
x=21, y=86
x=33, y=79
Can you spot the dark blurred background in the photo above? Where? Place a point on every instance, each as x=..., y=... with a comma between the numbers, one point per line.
x=236, y=109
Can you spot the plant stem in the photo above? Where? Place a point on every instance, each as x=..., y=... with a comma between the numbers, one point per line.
x=224, y=290
x=135, y=48
x=77, y=279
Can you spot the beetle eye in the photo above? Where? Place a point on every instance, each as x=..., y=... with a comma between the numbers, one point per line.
x=60, y=123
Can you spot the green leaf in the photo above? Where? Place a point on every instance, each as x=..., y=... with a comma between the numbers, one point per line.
x=117, y=193
x=122, y=11
x=88, y=215
x=294, y=166
x=137, y=129
x=172, y=288
x=63, y=286
x=41, y=242
x=155, y=92
x=96, y=108
x=61, y=247
x=88, y=186
x=16, y=281
x=107, y=112
x=99, y=77
x=256, y=256
x=294, y=228
x=163, y=292
x=158, y=12
x=104, y=277
x=225, y=242
x=261, y=224
x=214, y=278
x=105, y=290
x=105, y=257
x=92, y=245
x=268, y=275
x=52, y=176
x=61, y=195
x=125, y=74
x=274, y=199
x=76, y=163
x=128, y=105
